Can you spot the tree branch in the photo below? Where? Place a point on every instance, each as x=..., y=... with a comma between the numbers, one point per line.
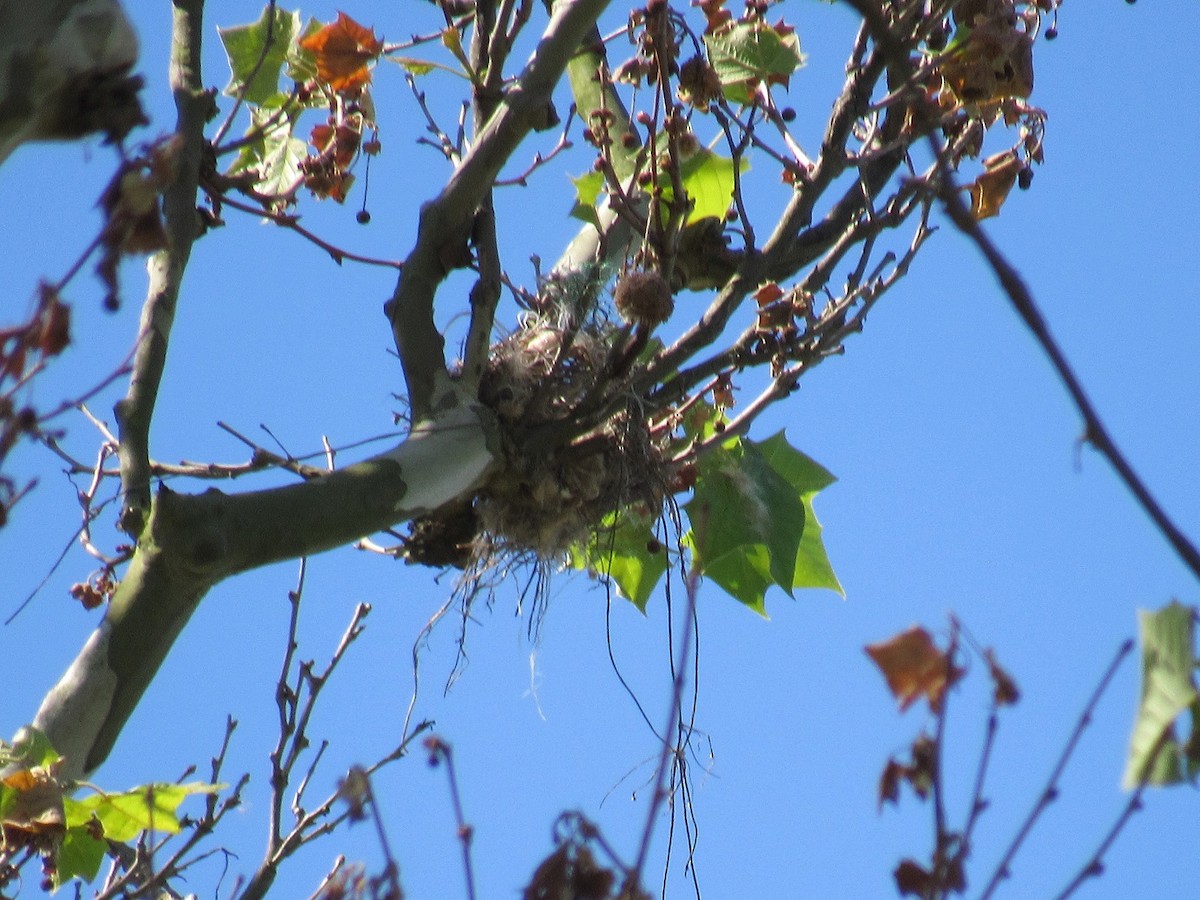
x=192, y=542
x=446, y=220
x=1018, y=294
x=193, y=105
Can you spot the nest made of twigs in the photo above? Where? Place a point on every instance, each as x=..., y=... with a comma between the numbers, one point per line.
x=548, y=499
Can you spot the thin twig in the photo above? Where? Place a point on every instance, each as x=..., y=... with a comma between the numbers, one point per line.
x=285, y=220
x=440, y=751
x=1050, y=791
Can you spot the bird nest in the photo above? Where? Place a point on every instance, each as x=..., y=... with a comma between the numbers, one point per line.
x=554, y=492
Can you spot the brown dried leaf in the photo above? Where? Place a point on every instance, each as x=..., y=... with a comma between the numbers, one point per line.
x=914, y=667
x=35, y=818
x=889, y=782
x=991, y=189
x=912, y=879
x=1005, y=690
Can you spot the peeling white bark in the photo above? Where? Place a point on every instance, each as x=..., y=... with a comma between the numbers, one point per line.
x=443, y=458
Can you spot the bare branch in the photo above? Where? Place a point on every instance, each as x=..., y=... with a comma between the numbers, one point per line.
x=134, y=412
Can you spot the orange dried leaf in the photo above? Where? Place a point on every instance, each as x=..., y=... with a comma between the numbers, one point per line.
x=768, y=293
x=914, y=667
x=342, y=52
x=36, y=813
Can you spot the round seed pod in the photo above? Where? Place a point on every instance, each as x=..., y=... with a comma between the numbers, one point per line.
x=643, y=298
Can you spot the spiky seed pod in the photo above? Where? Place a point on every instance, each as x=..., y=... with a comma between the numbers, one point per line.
x=643, y=298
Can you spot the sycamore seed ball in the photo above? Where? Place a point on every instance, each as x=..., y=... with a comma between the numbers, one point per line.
x=643, y=298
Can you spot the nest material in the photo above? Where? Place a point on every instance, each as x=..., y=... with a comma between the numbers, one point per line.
x=552, y=498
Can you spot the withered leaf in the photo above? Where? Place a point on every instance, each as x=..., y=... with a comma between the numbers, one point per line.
x=35, y=817
x=889, y=782
x=991, y=189
x=912, y=879
x=1005, y=691
x=914, y=667
x=343, y=50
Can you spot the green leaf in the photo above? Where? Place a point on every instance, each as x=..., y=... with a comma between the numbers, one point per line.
x=79, y=856
x=125, y=816
x=276, y=154
x=708, y=180
x=301, y=63
x=747, y=53
x=1168, y=657
x=808, y=477
x=752, y=522
x=587, y=192
x=626, y=550
x=257, y=53
x=414, y=66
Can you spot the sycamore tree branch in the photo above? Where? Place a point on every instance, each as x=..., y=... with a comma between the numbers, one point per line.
x=446, y=220
x=193, y=541
x=166, y=267
x=487, y=56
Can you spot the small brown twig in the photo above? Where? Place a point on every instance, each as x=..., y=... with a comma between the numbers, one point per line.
x=441, y=752
x=1050, y=792
x=292, y=222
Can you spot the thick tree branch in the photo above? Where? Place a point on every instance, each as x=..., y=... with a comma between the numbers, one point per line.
x=446, y=220
x=192, y=542
x=166, y=268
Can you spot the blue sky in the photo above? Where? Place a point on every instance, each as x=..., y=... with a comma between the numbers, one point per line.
x=961, y=487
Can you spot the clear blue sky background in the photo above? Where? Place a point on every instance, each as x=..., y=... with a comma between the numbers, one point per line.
x=961, y=487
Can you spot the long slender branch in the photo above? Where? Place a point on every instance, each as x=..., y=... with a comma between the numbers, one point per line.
x=485, y=295
x=135, y=411
x=1018, y=293
x=1095, y=431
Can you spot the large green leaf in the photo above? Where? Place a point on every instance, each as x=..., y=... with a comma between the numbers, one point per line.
x=1168, y=658
x=274, y=152
x=750, y=516
x=813, y=569
x=626, y=550
x=743, y=54
x=257, y=52
x=79, y=856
